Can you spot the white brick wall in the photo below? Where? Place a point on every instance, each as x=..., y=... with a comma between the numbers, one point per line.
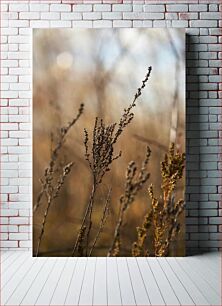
x=200, y=17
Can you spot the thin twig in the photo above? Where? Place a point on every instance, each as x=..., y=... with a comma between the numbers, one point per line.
x=132, y=186
x=52, y=194
x=102, y=221
x=48, y=173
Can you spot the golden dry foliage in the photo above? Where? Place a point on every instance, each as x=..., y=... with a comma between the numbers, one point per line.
x=165, y=211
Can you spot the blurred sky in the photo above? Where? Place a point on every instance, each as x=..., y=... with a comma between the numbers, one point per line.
x=125, y=52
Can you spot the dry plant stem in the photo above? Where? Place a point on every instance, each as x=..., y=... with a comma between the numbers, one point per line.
x=48, y=174
x=102, y=155
x=52, y=194
x=43, y=223
x=134, y=183
x=102, y=221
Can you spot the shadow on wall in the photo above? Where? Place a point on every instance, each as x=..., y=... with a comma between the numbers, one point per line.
x=193, y=171
x=195, y=224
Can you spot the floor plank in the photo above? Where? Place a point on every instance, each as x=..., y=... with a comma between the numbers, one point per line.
x=5, y=255
x=73, y=294
x=181, y=292
x=86, y=293
x=211, y=261
x=165, y=287
x=152, y=287
x=208, y=292
x=100, y=283
x=140, y=291
x=110, y=281
x=10, y=261
x=47, y=291
x=17, y=278
x=13, y=270
x=191, y=288
x=63, y=284
x=36, y=287
x=113, y=285
x=20, y=291
x=126, y=289
x=213, y=279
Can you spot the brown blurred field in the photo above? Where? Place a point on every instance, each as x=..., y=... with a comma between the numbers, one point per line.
x=103, y=69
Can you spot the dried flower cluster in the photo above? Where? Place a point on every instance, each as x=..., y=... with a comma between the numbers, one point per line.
x=101, y=157
x=134, y=183
x=52, y=183
x=165, y=211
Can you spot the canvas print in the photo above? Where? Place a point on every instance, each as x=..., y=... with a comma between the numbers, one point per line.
x=108, y=142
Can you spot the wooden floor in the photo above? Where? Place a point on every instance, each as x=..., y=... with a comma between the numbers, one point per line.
x=110, y=281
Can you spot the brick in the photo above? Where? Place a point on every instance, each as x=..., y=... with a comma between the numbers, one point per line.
x=19, y=118
x=154, y=8
x=102, y=24
x=207, y=15
x=24, y=229
x=180, y=23
x=9, y=212
x=122, y=7
x=197, y=7
x=102, y=7
x=213, y=7
x=122, y=23
x=18, y=236
x=199, y=236
x=71, y=16
x=8, y=228
x=60, y=8
x=112, y=15
x=39, y=7
x=82, y=23
x=135, y=15
x=25, y=244
x=214, y=47
x=137, y=8
x=24, y=212
x=50, y=16
x=9, y=31
x=9, y=126
x=215, y=236
x=92, y=16
x=9, y=244
x=148, y=23
x=208, y=213
x=82, y=8
x=187, y=16
x=138, y=23
x=60, y=23
x=29, y=15
x=203, y=23
x=39, y=23
x=18, y=7
x=18, y=23
x=171, y=16
x=177, y=8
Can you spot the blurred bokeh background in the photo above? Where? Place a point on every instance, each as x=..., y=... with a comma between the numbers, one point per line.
x=103, y=69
